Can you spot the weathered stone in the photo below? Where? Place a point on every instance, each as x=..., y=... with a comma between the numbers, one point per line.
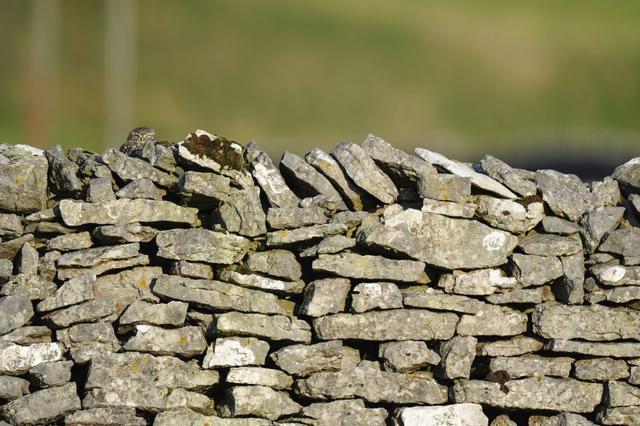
x=121, y=234
x=52, y=373
x=10, y=226
x=507, y=214
x=17, y=359
x=407, y=356
x=352, y=265
x=361, y=168
x=597, y=223
x=201, y=245
x=616, y=350
x=141, y=188
x=42, y=407
x=13, y=387
x=533, y=270
x=506, y=175
x=15, y=311
x=66, y=273
x=274, y=327
x=628, y=174
x=570, y=289
x=276, y=263
x=141, y=312
x=27, y=335
x=563, y=419
x=235, y=352
x=369, y=296
x=476, y=283
x=203, y=190
x=100, y=190
x=448, y=208
x=6, y=269
x=123, y=211
x=128, y=169
x=368, y=382
x=84, y=341
x=143, y=396
x=71, y=242
x=186, y=341
x=616, y=275
x=127, y=368
x=451, y=415
x=634, y=377
x=621, y=394
x=518, y=345
x=89, y=311
x=105, y=416
x=556, y=225
x=218, y=295
x=550, y=244
x=260, y=401
x=27, y=260
x=531, y=366
x=76, y=290
x=596, y=323
x=257, y=376
x=23, y=179
x=304, y=178
x=442, y=241
x=566, y=195
x=269, y=178
x=179, y=417
x=448, y=188
x=125, y=287
x=601, y=369
x=542, y=393
x=295, y=217
x=192, y=270
x=34, y=287
x=620, y=416
x=430, y=298
x=304, y=360
x=342, y=412
x=261, y=282
x=241, y=212
x=9, y=249
x=94, y=256
x=457, y=356
x=493, y=320
x=605, y=193
x=464, y=171
x=528, y=296
x=623, y=241
x=406, y=324
x=303, y=235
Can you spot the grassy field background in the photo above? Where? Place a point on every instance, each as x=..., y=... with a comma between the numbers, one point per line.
x=516, y=78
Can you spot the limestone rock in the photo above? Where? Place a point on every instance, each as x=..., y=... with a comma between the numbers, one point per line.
x=203, y=190
x=105, y=416
x=49, y=374
x=192, y=270
x=100, y=190
x=464, y=414
x=17, y=359
x=326, y=296
x=84, y=341
x=141, y=188
x=304, y=360
x=556, y=225
x=13, y=387
x=457, y=356
x=621, y=394
x=628, y=174
x=201, y=245
x=76, y=290
x=566, y=195
x=601, y=369
x=122, y=234
x=23, y=179
x=304, y=178
x=124, y=211
x=481, y=282
x=260, y=282
x=550, y=244
x=270, y=327
x=235, y=352
x=518, y=345
x=357, y=266
x=431, y=298
x=42, y=407
x=304, y=235
x=187, y=341
x=241, y=212
x=141, y=312
x=407, y=356
x=597, y=223
x=570, y=289
x=505, y=174
x=27, y=260
x=616, y=350
x=258, y=376
x=15, y=311
x=369, y=296
x=269, y=178
x=342, y=412
x=449, y=208
x=260, y=401
x=616, y=275
x=508, y=215
x=71, y=242
x=493, y=320
x=179, y=417
x=449, y=188
x=532, y=366
x=620, y=416
x=276, y=263
x=534, y=270
x=623, y=241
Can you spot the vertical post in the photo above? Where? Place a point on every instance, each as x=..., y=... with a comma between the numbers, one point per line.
x=120, y=42
x=40, y=90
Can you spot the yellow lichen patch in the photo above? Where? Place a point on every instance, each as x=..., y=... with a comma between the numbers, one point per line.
x=143, y=283
x=19, y=180
x=182, y=340
x=135, y=366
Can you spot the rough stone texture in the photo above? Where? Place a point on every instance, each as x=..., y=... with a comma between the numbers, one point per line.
x=277, y=263
x=241, y=212
x=327, y=296
x=342, y=412
x=15, y=311
x=532, y=270
x=623, y=241
x=481, y=282
x=357, y=266
x=370, y=296
x=532, y=366
x=260, y=401
x=601, y=369
x=201, y=245
x=17, y=359
x=23, y=179
x=235, y=352
x=505, y=174
x=42, y=407
x=457, y=356
x=493, y=320
x=451, y=415
x=407, y=356
x=261, y=282
x=550, y=245
x=566, y=195
x=276, y=327
x=303, y=360
x=257, y=376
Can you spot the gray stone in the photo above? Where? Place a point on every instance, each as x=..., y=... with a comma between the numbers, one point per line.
x=95, y=256
x=533, y=270
x=18, y=359
x=276, y=263
x=542, y=393
x=634, y=377
x=556, y=225
x=179, y=417
x=304, y=178
x=15, y=311
x=550, y=244
x=622, y=294
x=27, y=260
x=563, y=419
x=628, y=174
x=477, y=283
x=52, y=373
x=128, y=368
x=241, y=212
x=192, y=270
x=507, y=214
x=10, y=226
x=128, y=169
x=186, y=341
x=23, y=179
x=85, y=341
x=260, y=282
x=123, y=211
x=407, y=356
x=260, y=401
x=570, y=289
x=329, y=167
x=100, y=190
x=621, y=394
x=381, y=295
x=102, y=267
x=235, y=352
x=326, y=296
x=620, y=416
x=203, y=190
x=28, y=334
x=623, y=241
x=9, y=249
x=596, y=223
x=605, y=193
x=405, y=324
x=89, y=311
x=125, y=287
x=516, y=346
x=71, y=242
x=257, y=376
x=449, y=208
x=505, y=174
x=527, y=296
x=595, y=323
x=34, y=287
x=304, y=360
x=352, y=265
x=76, y=290
x=270, y=327
x=201, y=245
x=13, y=387
x=442, y=241
x=6, y=270
x=464, y=171
x=493, y=320
x=350, y=412
x=566, y=195
x=42, y=407
x=121, y=234
x=361, y=168
x=616, y=350
x=616, y=275
x=141, y=188
x=531, y=366
x=105, y=416
x=431, y=298
x=141, y=312
x=368, y=382
x=304, y=235
x=457, y=356
x=601, y=369
x=269, y=178
x=450, y=415
x=448, y=188
x=218, y=295
x=296, y=217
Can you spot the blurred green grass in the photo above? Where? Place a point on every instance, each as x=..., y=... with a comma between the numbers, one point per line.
x=461, y=77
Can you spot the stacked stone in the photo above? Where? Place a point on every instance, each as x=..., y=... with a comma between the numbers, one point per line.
x=201, y=283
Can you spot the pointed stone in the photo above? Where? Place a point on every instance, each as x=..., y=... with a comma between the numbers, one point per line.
x=305, y=179
x=506, y=175
x=597, y=223
x=269, y=178
x=566, y=195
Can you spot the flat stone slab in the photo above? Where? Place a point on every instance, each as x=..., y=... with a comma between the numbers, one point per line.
x=352, y=265
x=615, y=350
x=269, y=327
x=450, y=415
x=201, y=245
x=42, y=407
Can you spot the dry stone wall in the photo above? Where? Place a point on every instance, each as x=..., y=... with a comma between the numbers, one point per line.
x=201, y=283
